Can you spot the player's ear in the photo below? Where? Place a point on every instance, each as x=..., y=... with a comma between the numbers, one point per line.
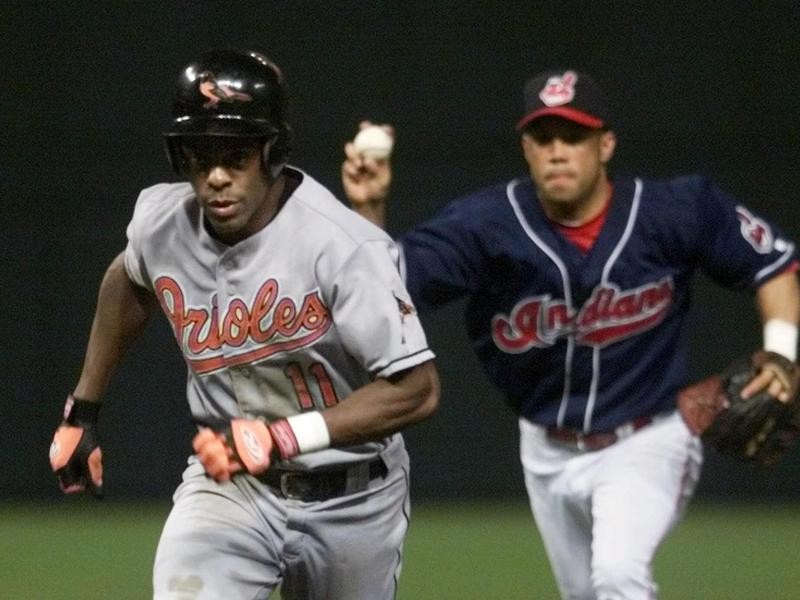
x=526, y=141
x=608, y=143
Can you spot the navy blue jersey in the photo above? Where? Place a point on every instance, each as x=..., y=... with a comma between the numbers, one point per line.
x=588, y=341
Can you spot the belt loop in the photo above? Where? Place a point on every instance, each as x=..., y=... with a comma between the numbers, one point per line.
x=286, y=492
x=632, y=426
x=357, y=478
x=625, y=430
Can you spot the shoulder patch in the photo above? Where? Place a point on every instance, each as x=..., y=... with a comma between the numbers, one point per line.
x=757, y=233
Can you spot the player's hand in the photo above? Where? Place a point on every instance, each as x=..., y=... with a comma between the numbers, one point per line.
x=773, y=378
x=245, y=446
x=215, y=454
x=366, y=180
x=75, y=454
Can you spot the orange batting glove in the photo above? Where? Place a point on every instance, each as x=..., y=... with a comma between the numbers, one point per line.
x=247, y=446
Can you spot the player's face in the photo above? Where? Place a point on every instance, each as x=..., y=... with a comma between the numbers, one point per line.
x=230, y=184
x=567, y=161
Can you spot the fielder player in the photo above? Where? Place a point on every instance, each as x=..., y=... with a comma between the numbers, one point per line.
x=578, y=289
x=305, y=357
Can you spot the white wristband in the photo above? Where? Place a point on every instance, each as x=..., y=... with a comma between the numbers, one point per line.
x=310, y=431
x=781, y=336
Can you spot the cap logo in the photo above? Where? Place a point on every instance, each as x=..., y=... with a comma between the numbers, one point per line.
x=217, y=92
x=559, y=89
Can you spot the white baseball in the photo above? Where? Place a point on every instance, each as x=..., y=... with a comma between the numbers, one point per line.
x=374, y=142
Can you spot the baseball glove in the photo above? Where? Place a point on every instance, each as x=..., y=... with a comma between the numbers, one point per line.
x=759, y=429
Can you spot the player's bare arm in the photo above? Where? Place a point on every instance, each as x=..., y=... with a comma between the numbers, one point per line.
x=122, y=312
x=123, y=309
x=366, y=180
x=384, y=406
x=371, y=413
x=779, y=298
x=778, y=302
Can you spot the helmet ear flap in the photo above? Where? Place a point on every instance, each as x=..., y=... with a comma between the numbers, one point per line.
x=280, y=149
x=172, y=146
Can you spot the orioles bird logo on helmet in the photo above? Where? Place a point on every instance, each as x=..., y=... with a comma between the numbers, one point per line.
x=217, y=92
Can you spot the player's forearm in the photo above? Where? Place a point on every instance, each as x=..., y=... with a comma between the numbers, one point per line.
x=384, y=407
x=778, y=303
x=121, y=314
x=779, y=298
x=374, y=211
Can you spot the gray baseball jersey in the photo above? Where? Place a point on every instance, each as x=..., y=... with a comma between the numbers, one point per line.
x=293, y=318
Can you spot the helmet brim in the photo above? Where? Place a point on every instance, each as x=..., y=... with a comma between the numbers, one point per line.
x=222, y=125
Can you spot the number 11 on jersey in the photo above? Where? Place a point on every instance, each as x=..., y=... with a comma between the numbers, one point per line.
x=300, y=382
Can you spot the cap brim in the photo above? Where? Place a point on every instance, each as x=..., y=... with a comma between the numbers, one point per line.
x=576, y=116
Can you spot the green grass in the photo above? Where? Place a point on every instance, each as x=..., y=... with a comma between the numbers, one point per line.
x=76, y=549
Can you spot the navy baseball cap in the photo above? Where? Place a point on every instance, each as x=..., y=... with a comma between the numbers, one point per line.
x=567, y=94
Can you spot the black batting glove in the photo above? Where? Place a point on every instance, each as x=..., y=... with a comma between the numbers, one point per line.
x=75, y=454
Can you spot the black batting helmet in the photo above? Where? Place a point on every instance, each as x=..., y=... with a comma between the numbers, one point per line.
x=231, y=93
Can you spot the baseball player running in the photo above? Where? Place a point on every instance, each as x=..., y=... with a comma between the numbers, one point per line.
x=305, y=357
x=578, y=289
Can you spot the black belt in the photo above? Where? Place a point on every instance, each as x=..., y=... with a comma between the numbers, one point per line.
x=315, y=486
x=599, y=440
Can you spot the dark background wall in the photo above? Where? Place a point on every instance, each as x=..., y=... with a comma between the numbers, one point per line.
x=701, y=86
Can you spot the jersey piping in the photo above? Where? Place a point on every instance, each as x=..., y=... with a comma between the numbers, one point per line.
x=777, y=264
x=587, y=422
x=562, y=269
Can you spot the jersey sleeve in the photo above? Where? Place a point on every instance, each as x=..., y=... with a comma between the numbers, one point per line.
x=373, y=312
x=738, y=248
x=441, y=259
x=135, y=265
